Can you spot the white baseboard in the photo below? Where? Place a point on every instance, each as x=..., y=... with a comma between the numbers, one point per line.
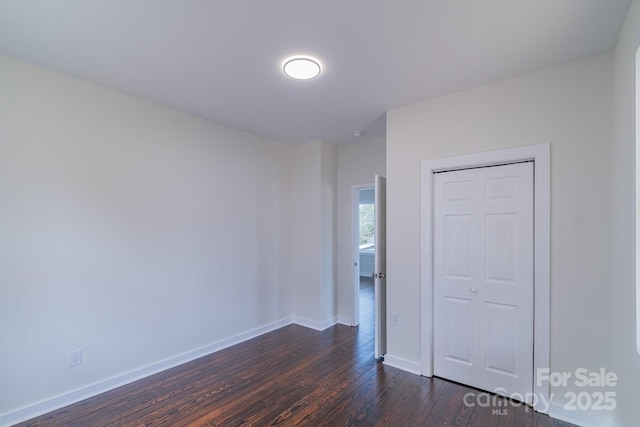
x=345, y=320
x=404, y=364
x=314, y=324
x=579, y=418
x=74, y=396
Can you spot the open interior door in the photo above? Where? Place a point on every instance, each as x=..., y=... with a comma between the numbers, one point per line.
x=380, y=266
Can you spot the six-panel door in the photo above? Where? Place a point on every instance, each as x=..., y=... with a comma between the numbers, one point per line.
x=483, y=278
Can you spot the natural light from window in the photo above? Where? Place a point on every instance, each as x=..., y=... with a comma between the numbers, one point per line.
x=367, y=226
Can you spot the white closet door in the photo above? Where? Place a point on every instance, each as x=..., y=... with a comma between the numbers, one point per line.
x=483, y=278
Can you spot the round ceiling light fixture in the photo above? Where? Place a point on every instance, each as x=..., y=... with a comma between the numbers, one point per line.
x=302, y=67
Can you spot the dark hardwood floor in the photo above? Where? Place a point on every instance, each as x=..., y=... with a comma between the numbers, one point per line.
x=366, y=306
x=292, y=376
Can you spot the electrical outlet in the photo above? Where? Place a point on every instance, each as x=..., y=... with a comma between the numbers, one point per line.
x=394, y=318
x=75, y=358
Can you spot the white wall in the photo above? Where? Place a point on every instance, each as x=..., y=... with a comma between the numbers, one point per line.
x=357, y=164
x=567, y=106
x=306, y=256
x=329, y=177
x=313, y=257
x=132, y=231
x=625, y=359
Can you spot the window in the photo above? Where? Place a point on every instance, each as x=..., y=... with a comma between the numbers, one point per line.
x=367, y=226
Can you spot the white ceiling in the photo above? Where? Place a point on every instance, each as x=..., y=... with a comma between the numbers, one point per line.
x=221, y=59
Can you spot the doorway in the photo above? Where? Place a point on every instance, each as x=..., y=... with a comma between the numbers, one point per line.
x=369, y=261
x=365, y=244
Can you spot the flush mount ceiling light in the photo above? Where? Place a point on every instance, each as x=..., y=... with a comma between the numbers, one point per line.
x=301, y=67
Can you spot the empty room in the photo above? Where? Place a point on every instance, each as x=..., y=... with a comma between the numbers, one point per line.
x=319, y=213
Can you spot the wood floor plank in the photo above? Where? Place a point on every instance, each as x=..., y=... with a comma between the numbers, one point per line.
x=292, y=376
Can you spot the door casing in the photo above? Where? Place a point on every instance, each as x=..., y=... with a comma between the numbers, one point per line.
x=540, y=155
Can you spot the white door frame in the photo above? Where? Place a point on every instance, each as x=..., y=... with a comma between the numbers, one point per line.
x=540, y=154
x=355, y=248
